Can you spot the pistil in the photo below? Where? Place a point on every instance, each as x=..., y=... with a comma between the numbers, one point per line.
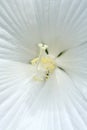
x=45, y=65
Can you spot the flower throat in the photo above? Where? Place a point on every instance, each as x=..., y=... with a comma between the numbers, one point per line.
x=44, y=63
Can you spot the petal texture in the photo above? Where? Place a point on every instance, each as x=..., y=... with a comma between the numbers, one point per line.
x=61, y=102
x=25, y=23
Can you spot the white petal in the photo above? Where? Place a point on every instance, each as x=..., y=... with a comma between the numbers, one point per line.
x=74, y=60
x=56, y=105
x=24, y=23
x=18, y=30
x=17, y=92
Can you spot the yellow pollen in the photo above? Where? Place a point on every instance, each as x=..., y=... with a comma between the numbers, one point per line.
x=48, y=64
x=45, y=62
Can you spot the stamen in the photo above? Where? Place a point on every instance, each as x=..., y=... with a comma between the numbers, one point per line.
x=45, y=65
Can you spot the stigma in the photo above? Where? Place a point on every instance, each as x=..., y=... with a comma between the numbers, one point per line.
x=44, y=63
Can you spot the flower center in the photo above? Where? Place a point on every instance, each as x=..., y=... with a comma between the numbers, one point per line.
x=44, y=63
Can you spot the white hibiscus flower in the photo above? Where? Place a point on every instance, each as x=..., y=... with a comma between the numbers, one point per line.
x=43, y=64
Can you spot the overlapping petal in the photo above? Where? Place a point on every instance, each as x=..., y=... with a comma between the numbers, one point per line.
x=60, y=102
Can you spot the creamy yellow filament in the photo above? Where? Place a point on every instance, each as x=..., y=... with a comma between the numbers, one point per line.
x=45, y=61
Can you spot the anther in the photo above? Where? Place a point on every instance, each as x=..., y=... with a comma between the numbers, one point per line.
x=45, y=66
